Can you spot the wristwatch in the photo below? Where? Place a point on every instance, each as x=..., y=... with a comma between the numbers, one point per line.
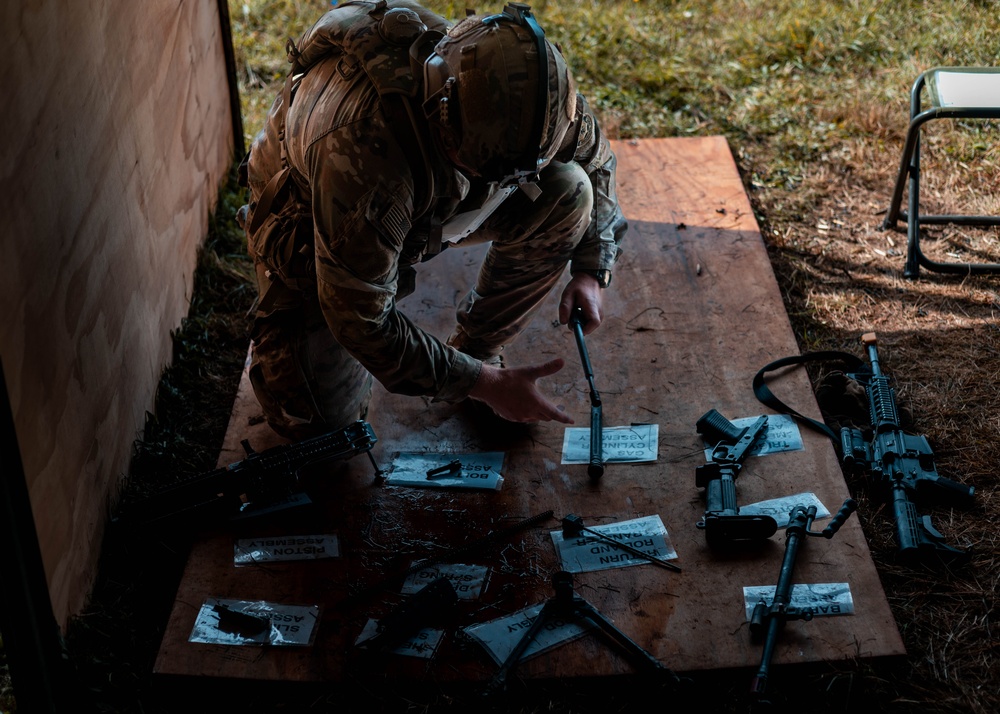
x=603, y=277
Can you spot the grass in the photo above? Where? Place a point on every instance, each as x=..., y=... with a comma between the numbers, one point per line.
x=813, y=99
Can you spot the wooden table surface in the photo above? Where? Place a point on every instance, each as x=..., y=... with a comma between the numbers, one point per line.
x=693, y=312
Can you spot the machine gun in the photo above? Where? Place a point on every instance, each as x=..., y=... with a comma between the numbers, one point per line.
x=905, y=464
x=262, y=482
x=723, y=524
x=767, y=620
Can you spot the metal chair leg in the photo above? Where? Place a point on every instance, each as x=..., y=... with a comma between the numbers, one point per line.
x=909, y=177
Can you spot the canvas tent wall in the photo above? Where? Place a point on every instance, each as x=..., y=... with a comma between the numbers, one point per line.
x=117, y=134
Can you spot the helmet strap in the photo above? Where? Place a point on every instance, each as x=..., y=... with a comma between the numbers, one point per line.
x=528, y=164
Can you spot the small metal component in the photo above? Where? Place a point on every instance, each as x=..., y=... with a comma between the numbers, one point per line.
x=432, y=603
x=243, y=624
x=448, y=470
x=573, y=527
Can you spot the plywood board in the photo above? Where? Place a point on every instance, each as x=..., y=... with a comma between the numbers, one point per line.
x=117, y=136
x=693, y=313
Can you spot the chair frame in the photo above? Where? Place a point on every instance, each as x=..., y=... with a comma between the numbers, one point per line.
x=909, y=168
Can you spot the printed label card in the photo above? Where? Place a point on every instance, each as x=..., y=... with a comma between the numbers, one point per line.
x=251, y=551
x=781, y=508
x=587, y=553
x=819, y=599
x=620, y=444
x=243, y=622
x=499, y=637
x=471, y=471
x=468, y=580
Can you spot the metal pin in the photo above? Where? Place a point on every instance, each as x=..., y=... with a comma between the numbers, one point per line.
x=446, y=471
x=573, y=526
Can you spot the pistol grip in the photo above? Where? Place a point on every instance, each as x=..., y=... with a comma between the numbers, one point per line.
x=715, y=428
x=952, y=492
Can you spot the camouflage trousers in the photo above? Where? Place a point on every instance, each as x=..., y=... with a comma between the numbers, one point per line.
x=308, y=384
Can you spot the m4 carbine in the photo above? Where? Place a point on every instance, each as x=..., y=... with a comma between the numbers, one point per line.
x=905, y=464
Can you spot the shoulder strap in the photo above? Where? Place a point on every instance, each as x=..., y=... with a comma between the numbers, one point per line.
x=277, y=183
x=766, y=397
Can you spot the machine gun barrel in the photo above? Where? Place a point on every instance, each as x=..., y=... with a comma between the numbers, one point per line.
x=595, y=468
x=767, y=620
x=263, y=480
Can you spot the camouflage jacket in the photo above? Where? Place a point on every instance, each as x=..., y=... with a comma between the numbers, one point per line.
x=354, y=180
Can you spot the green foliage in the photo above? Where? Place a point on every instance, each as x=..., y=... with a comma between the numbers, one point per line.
x=792, y=77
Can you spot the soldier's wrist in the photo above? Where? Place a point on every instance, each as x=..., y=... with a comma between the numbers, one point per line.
x=603, y=277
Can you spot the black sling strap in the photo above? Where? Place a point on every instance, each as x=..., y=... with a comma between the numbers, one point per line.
x=766, y=397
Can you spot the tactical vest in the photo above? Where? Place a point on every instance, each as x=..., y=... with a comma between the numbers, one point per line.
x=388, y=40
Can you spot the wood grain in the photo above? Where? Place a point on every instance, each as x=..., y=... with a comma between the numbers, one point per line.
x=693, y=312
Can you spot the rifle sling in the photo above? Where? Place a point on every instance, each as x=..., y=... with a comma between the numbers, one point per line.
x=766, y=396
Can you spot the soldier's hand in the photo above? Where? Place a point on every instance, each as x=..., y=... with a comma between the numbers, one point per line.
x=514, y=395
x=584, y=292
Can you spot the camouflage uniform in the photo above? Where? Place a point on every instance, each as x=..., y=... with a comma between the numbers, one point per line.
x=335, y=251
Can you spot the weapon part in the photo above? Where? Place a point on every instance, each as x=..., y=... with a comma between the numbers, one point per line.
x=481, y=544
x=261, y=483
x=595, y=469
x=767, y=620
x=566, y=606
x=904, y=464
x=428, y=605
x=723, y=524
x=573, y=527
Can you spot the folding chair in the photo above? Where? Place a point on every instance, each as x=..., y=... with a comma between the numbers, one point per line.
x=953, y=93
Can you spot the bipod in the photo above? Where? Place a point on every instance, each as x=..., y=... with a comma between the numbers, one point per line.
x=768, y=619
x=567, y=606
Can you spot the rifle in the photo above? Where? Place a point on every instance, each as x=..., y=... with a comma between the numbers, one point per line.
x=767, y=619
x=722, y=523
x=905, y=463
x=261, y=483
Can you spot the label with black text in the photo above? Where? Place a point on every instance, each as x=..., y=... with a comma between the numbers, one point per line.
x=619, y=444
x=250, y=551
x=817, y=599
x=254, y=622
x=780, y=509
x=586, y=552
x=468, y=580
x=499, y=637
x=473, y=471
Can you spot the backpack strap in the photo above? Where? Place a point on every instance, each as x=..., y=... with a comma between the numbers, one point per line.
x=766, y=396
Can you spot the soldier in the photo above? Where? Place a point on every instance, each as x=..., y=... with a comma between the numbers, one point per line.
x=398, y=136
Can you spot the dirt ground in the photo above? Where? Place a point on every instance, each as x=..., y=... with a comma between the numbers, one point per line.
x=842, y=276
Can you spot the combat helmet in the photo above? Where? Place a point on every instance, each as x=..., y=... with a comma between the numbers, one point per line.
x=499, y=96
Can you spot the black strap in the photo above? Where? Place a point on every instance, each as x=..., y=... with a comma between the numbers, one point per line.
x=766, y=397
